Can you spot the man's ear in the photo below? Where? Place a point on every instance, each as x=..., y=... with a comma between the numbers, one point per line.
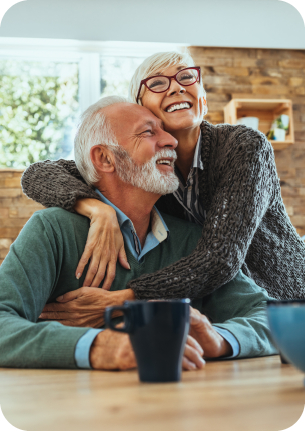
x=102, y=158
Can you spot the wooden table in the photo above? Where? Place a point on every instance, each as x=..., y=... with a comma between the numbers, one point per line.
x=238, y=395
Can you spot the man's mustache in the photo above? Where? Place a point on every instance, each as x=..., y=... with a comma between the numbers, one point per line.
x=163, y=154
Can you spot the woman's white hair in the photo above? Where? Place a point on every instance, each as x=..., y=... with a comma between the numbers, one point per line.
x=155, y=64
x=94, y=128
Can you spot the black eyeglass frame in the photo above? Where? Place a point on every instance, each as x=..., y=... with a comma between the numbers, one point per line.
x=144, y=81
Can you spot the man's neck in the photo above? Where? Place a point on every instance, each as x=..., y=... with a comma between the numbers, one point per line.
x=135, y=203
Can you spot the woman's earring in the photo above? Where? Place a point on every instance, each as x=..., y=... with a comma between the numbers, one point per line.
x=205, y=108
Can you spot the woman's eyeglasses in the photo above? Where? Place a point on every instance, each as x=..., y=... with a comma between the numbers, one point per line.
x=161, y=83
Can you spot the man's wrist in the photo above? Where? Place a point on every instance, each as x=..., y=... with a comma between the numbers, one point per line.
x=120, y=296
x=225, y=348
x=83, y=347
x=231, y=339
x=94, y=353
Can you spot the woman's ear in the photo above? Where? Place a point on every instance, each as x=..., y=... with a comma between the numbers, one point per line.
x=102, y=159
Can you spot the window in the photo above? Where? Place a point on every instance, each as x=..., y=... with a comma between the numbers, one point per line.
x=116, y=73
x=38, y=110
x=46, y=84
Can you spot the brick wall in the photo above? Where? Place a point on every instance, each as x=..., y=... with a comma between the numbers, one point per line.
x=270, y=74
x=227, y=73
x=15, y=208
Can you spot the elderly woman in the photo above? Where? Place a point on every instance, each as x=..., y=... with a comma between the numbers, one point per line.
x=227, y=183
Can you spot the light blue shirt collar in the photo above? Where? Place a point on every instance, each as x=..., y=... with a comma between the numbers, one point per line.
x=159, y=231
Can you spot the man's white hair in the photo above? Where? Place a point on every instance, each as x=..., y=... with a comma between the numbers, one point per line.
x=155, y=64
x=94, y=128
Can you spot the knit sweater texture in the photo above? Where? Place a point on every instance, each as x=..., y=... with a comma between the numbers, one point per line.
x=246, y=225
x=41, y=265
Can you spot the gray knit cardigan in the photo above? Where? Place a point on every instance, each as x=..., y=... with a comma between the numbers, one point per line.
x=246, y=223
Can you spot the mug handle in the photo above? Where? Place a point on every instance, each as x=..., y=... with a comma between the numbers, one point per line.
x=126, y=313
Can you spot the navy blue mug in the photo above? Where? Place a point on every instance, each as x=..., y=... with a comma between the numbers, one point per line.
x=158, y=331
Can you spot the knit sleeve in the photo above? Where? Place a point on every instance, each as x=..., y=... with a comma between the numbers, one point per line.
x=245, y=189
x=55, y=184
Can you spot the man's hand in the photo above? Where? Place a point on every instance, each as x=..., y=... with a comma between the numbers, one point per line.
x=85, y=307
x=213, y=344
x=112, y=351
x=192, y=357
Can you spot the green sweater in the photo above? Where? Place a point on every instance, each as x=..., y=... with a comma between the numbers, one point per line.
x=41, y=265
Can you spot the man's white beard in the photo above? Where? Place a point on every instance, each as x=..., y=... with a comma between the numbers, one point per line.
x=147, y=177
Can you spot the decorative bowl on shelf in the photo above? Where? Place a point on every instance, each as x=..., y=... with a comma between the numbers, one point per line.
x=287, y=324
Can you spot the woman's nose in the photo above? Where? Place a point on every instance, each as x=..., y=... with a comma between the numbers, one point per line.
x=175, y=88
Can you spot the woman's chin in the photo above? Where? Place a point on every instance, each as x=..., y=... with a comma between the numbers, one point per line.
x=176, y=125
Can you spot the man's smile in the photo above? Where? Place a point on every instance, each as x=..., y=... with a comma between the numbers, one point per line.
x=165, y=164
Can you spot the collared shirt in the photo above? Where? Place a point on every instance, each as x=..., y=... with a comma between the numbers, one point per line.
x=158, y=230
x=188, y=192
x=158, y=233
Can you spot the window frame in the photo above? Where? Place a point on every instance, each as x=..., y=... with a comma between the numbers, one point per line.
x=86, y=53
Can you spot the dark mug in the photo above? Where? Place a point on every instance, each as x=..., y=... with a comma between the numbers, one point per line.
x=158, y=331
x=283, y=359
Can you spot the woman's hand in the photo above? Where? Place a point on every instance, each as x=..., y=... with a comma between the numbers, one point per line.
x=104, y=246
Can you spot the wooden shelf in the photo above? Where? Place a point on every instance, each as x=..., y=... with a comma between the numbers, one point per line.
x=266, y=110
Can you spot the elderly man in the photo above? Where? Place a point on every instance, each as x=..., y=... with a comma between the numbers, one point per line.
x=128, y=156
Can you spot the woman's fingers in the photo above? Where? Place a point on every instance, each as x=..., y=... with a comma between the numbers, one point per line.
x=105, y=245
x=97, y=242
x=122, y=258
x=83, y=261
x=96, y=270
x=110, y=275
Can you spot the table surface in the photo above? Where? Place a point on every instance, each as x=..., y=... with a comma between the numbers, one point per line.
x=236, y=395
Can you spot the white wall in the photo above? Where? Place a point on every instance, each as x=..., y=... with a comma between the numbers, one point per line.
x=227, y=23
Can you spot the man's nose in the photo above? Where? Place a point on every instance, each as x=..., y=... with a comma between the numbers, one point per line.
x=167, y=140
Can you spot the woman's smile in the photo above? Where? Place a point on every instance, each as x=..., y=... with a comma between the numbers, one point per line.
x=178, y=107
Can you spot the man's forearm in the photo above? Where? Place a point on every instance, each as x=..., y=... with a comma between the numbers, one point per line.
x=252, y=333
x=25, y=344
x=240, y=308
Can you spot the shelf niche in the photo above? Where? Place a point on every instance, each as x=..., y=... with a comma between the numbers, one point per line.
x=266, y=110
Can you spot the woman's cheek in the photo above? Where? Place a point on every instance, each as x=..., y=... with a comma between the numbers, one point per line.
x=202, y=108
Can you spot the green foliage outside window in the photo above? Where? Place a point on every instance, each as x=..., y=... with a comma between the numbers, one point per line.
x=116, y=73
x=38, y=108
